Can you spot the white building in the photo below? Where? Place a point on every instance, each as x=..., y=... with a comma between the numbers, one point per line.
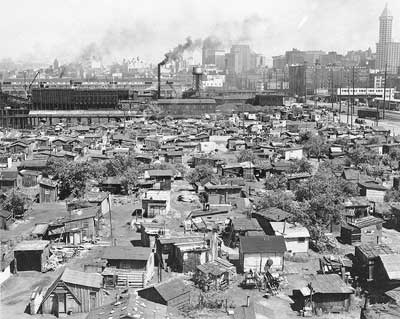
x=297, y=237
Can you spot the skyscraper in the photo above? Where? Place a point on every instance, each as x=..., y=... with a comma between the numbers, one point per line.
x=387, y=52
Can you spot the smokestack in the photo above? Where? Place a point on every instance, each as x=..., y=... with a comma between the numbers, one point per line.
x=159, y=75
x=159, y=81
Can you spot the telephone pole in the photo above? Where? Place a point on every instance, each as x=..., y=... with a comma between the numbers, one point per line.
x=352, y=103
x=384, y=94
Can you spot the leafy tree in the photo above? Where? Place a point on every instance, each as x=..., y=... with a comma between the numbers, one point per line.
x=246, y=156
x=360, y=155
x=275, y=182
x=14, y=203
x=202, y=174
x=300, y=166
x=316, y=146
x=129, y=179
x=392, y=195
x=73, y=176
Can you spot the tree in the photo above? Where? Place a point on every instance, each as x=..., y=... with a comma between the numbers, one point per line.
x=392, y=195
x=300, y=166
x=129, y=179
x=73, y=176
x=15, y=203
x=202, y=174
x=246, y=156
x=275, y=182
x=316, y=146
x=360, y=155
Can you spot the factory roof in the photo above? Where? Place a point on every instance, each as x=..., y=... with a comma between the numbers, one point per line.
x=186, y=101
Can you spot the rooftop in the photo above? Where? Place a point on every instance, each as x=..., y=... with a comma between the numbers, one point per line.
x=127, y=253
x=262, y=244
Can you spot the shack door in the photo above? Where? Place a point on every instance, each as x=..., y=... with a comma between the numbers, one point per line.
x=92, y=300
x=61, y=303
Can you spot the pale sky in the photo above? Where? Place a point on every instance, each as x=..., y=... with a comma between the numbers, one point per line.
x=44, y=29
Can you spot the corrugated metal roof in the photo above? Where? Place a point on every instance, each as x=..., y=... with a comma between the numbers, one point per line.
x=366, y=221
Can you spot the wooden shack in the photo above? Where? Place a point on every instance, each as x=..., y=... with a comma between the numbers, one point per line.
x=367, y=257
x=6, y=219
x=363, y=230
x=31, y=255
x=255, y=251
x=129, y=306
x=325, y=293
x=48, y=191
x=173, y=293
x=216, y=274
x=72, y=292
x=128, y=266
x=186, y=256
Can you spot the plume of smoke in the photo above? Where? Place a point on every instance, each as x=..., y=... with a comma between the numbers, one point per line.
x=178, y=51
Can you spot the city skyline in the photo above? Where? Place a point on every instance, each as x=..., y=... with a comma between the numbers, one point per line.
x=124, y=29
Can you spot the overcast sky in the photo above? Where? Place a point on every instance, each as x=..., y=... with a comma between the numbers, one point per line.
x=44, y=29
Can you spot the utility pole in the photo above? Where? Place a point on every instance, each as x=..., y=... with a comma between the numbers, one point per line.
x=348, y=97
x=111, y=231
x=340, y=93
x=305, y=82
x=384, y=94
x=352, y=103
x=332, y=87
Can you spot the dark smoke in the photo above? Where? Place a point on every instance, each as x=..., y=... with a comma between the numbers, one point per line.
x=178, y=51
x=212, y=42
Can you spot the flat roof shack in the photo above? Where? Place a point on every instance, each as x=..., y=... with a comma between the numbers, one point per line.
x=72, y=292
x=240, y=227
x=388, y=271
x=267, y=215
x=173, y=293
x=165, y=247
x=326, y=293
x=187, y=255
x=9, y=179
x=38, y=165
x=297, y=237
x=255, y=251
x=395, y=214
x=129, y=307
x=367, y=258
x=128, y=266
x=48, y=191
x=150, y=231
x=100, y=199
x=363, y=230
x=222, y=194
x=374, y=191
x=174, y=157
x=381, y=311
x=6, y=219
x=112, y=185
x=32, y=255
x=162, y=176
x=216, y=274
x=355, y=207
x=156, y=202
x=83, y=225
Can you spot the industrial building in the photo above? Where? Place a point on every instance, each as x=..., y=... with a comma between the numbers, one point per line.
x=76, y=99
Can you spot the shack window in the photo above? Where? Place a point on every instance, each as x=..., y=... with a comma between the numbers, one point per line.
x=301, y=239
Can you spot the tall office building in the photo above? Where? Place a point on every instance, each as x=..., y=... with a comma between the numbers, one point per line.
x=387, y=52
